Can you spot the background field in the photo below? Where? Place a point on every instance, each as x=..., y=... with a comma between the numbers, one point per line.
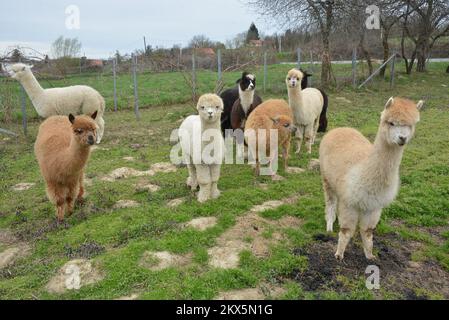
x=412, y=240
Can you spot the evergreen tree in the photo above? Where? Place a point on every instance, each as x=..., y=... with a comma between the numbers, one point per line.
x=253, y=33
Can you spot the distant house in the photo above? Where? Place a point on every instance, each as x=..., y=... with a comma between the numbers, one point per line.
x=206, y=52
x=94, y=63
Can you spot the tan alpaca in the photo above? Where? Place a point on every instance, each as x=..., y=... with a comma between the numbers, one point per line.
x=62, y=149
x=272, y=114
x=307, y=106
x=359, y=178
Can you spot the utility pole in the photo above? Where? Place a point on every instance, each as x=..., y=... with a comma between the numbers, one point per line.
x=144, y=46
x=280, y=43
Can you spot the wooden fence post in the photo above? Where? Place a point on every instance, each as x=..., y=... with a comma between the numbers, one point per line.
x=298, y=52
x=24, y=111
x=354, y=68
x=219, y=64
x=265, y=71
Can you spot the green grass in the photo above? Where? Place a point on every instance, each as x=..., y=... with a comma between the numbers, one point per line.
x=422, y=205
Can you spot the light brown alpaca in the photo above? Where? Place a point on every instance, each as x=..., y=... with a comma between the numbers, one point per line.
x=62, y=149
x=361, y=178
x=270, y=115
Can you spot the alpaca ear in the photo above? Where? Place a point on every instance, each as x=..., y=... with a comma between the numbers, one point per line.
x=94, y=115
x=420, y=104
x=389, y=103
x=275, y=120
x=71, y=118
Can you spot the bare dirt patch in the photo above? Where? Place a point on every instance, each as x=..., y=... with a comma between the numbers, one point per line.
x=144, y=186
x=251, y=232
x=176, y=202
x=128, y=298
x=74, y=275
x=202, y=224
x=13, y=253
x=314, y=165
x=125, y=173
x=294, y=170
x=164, y=167
x=157, y=261
x=125, y=204
x=23, y=186
x=129, y=159
x=398, y=273
x=263, y=292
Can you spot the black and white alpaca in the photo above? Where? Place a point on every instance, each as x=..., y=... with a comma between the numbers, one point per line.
x=239, y=102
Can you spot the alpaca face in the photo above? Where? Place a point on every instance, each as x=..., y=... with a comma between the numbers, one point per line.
x=210, y=108
x=284, y=125
x=17, y=71
x=294, y=78
x=84, y=129
x=399, y=120
x=247, y=82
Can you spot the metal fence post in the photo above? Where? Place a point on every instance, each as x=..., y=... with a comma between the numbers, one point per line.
x=393, y=64
x=114, y=72
x=298, y=52
x=136, y=97
x=219, y=64
x=354, y=68
x=265, y=71
x=24, y=111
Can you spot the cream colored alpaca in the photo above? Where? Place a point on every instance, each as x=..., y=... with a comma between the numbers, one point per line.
x=307, y=105
x=59, y=101
x=197, y=135
x=360, y=179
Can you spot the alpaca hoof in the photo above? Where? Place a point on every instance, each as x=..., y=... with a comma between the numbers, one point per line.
x=339, y=256
x=192, y=184
x=202, y=199
x=215, y=194
x=370, y=257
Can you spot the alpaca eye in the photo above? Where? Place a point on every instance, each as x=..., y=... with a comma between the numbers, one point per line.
x=289, y=79
x=78, y=131
x=202, y=108
x=286, y=125
x=391, y=124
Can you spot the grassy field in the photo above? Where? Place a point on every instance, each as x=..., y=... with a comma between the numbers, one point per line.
x=276, y=229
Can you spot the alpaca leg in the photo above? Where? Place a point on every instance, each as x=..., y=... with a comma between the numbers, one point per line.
x=315, y=129
x=56, y=196
x=368, y=223
x=308, y=137
x=70, y=200
x=79, y=198
x=347, y=219
x=215, y=176
x=286, y=153
x=204, y=180
x=299, y=137
x=331, y=206
x=100, y=132
x=192, y=181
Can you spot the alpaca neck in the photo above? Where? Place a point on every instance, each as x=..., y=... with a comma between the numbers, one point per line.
x=32, y=87
x=295, y=98
x=382, y=166
x=77, y=156
x=246, y=99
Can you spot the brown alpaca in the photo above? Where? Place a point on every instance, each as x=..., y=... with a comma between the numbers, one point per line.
x=272, y=114
x=62, y=149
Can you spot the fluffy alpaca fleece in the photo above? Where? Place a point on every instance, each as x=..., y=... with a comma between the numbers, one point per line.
x=359, y=178
x=239, y=102
x=62, y=149
x=59, y=101
x=272, y=114
x=199, y=130
x=308, y=105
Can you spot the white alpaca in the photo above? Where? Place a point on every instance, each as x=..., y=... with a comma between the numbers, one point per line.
x=307, y=106
x=359, y=178
x=59, y=101
x=203, y=146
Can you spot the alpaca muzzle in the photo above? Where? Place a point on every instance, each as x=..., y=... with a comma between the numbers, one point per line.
x=91, y=140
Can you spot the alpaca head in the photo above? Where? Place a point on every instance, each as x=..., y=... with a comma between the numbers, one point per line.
x=284, y=124
x=210, y=107
x=294, y=78
x=247, y=82
x=84, y=129
x=398, y=121
x=17, y=71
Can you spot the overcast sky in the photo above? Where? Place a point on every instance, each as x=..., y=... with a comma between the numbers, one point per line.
x=109, y=25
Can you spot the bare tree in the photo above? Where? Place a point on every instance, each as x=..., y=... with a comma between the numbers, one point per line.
x=65, y=47
x=201, y=41
x=310, y=14
x=428, y=23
